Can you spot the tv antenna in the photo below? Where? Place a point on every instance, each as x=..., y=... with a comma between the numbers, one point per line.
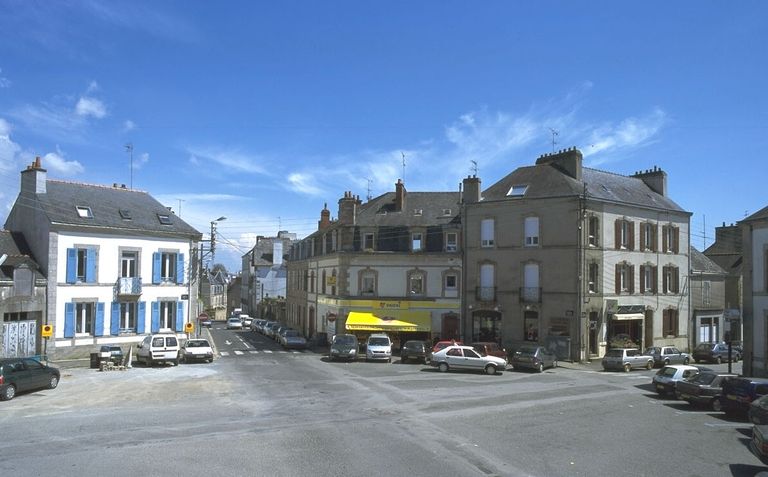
x=180, y=201
x=473, y=169
x=403, y=154
x=368, y=197
x=129, y=149
x=555, y=133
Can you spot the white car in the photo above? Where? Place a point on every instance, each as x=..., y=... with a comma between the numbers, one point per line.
x=666, y=378
x=197, y=350
x=234, y=324
x=465, y=357
x=158, y=348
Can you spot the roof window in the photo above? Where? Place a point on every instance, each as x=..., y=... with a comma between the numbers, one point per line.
x=84, y=212
x=125, y=214
x=446, y=211
x=517, y=190
x=417, y=212
x=164, y=219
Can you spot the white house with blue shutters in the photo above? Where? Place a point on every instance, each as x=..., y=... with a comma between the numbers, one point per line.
x=117, y=261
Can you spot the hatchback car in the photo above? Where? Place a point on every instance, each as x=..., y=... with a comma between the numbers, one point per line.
x=415, y=350
x=343, y=347
x=292, y=339
x=111, y=353
x=197, y=350
x=714, y=353
x=247, y=320
x=234, y=324
x=25, y=374
x=665, y=355
x=739, y=393
x=704, y=389
x=205, y=322
x=378, y=347
x=533, y=357
x=466, y=358
x=444, y=344
x=758, y=411
x=626, y=359
x=491, y=348
x=667, y=377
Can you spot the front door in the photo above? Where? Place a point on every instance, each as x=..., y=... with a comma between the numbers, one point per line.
x=450, y=329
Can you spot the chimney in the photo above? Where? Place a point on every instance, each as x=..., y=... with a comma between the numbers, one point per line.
x=33, y=179
x=471, y=190
x=277, y=252
x=567, y=161
x=654, y=178
x=325, y=218
x=399, y=195
x=348, y=209
x=729, y=237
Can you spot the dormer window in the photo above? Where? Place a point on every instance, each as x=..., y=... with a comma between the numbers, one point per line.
x=84, y=212
x=164, y=219
x=517, y=190
x=125, y=214
x=417, y=212
x=446, y=211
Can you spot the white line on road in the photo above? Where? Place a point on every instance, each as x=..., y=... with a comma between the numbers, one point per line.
x=253, y=351
x=282, y=351
x=225, y=353
x=267, y=351
x=725, y=424
x=238, y=352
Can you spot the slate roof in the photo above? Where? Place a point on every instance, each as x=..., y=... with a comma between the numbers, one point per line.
x=703, y=264
x=15, y=247
x=140, y=210
x=761, y=214
x=545, y=181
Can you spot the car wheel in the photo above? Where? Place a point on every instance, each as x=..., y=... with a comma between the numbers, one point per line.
x=666, y=362
x=627, y=368
x=554, y=364
x=443, y=367
x=54, y=381
x=716, y=405
x=686, y=361
x=718, y=360
x=490, y=369
x=648, y=366
x=8, y=393
x=540, y=368
x=210, y=360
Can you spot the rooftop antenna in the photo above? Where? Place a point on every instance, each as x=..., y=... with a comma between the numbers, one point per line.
x=403, y=154
x=370, y=182
x=555, y=133
x=129, y=149
x=473, y=169
x=180, y=201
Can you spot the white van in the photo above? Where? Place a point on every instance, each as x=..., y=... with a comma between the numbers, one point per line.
x=379, y=346
x=159, y=348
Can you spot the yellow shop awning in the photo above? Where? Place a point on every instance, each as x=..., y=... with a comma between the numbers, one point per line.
x=390, y=320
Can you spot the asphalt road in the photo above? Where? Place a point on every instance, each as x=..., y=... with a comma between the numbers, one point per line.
x=259, y=411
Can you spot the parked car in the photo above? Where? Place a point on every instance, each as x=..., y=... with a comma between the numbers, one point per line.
x=626, y=359
x=247, y=320
x=758, y=411
x=667, y=377
x=111, y=353
x=378, y=347
x=533, y=357
x=25, y=374
x=292, y=339
x=665, y=355
x=444, y=344
x=714, y=353
x=415, y=350
x=491, y=348
x=256, y=325
x=738, y=393
x=205, y=322
x=234, y=323
x=465, y=357
x=271, y=328
x=704, y=389
x=343, y=347
x=158, y=348
x=760, y=440
x=197, y=350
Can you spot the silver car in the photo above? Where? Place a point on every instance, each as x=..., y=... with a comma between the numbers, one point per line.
x=465, y=357
x=626, y=359
x=666, y=355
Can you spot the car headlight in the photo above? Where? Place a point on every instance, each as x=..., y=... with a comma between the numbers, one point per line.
x=334, y=350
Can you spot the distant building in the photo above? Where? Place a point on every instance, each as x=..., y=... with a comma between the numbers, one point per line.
x=755, y=275
x=264, y=271
x=708, y=285
x=118, y=263
x=727, y=253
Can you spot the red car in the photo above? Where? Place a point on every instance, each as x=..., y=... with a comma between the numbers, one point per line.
x=489, y=348
x=444, y=344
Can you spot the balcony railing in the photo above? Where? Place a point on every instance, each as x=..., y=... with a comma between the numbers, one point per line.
x=530, y=294
x=128, y=286
x=485, y=293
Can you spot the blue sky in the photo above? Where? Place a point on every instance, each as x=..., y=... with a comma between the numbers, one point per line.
x=263, y=111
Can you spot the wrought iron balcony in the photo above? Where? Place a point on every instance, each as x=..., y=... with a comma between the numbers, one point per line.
x=530, y=294
x=128, y=286
x=485, y=293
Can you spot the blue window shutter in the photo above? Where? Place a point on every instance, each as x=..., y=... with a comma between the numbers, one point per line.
x=71, y=265
x=156, y=268
x=155, y=316
x=115, y=321
x=179, y=316
x=180, y=268
x=140, y=320
x=90, y=266
x=99, y=325
x=69, y=320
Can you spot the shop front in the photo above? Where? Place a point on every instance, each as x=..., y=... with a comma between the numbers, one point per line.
x=400, y=325
x=626, y=327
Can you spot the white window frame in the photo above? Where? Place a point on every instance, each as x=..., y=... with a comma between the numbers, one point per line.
x=451, y=245
x=487, y=232
x=531, y=227
x=417, y=242
x=369, y=241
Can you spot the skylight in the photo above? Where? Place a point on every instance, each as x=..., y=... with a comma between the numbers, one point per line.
x=417, y=211
x=84, y=212
x=125, y=214
x=517, y=190
x=164, y=219
x=446, y=211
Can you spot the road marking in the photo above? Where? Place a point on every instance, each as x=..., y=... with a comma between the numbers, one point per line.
x=246, y=345
x=238, y=352
x=282, y=351
x=225, y=353
x=725, y=424
x=253, y=351
x=227, y=342
x=267, y=351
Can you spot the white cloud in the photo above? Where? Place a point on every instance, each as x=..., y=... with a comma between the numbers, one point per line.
x=629, y=133
x=90, y=107
x=56, y=162
x=128, y=125
x=304, y=184
x=140, y=160
x=232, y=159
x=4, y=82
x=92, y=86
x=8, y=148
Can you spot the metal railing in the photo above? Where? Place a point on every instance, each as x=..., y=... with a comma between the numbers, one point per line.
x=128, y=286
x=485, y=293
x=530, y=294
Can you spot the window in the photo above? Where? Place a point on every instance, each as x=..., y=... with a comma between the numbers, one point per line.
x=368, y=283
x=416, y=283
x=167, y=314
x=670, y=323
x=647, y=237
x=167, y=267
x=531, y=326
x=84, y=212
x=23, y=281
x=127, y=316
x=128, y=263
x=671, y=279
x=531, y=231
x=487, y=291
x=417, y=212
x=84, y=318
x=593, y=228
x=446, y=211
x=125, y=214
x=517, y=190
x=625, y=278
x=648, y=279
x=81, y=265
x=323, y=283
x=416, y=242
x=706, y=292
x=451, y=241
x=670, y=239
x=625, y=234
x=593, y=278
x=333, y=282
x=486, y=233
x=368, y=241
x=450, y=282
x=164, y=219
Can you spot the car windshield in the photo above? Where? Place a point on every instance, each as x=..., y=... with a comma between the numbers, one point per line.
x=704, y=379
x=197, y=344
x=652, y=350
x=234, y=320
x=344, y=340
x=614, y=353
x=378, y=342
x=668, y=372
x=414, y=345
x=704, y=347
x=291, y=333
x=527, y=351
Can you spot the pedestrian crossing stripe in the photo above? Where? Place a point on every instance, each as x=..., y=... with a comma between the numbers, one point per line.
x=225, y=353
x=267, y=351
x=238, y=352
x=253, y=352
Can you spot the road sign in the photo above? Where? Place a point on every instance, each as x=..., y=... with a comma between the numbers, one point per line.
x=185, y=296
x=189, y=327
x=47, y=331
